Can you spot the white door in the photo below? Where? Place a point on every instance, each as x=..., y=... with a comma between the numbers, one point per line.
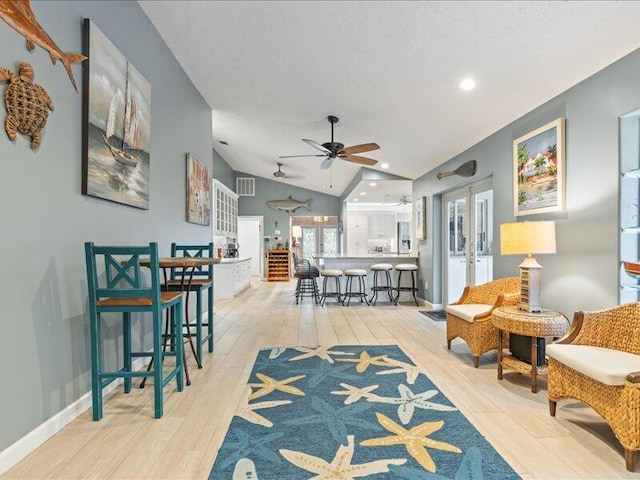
x=468, y=239
x=250, y=242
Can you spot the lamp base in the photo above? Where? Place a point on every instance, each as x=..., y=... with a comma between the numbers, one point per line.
x=530, y=271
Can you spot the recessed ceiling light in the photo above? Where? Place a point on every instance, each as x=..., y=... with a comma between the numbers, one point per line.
x=363, y=193
x=356, y=199
x=373, y=184
x=224, y=143
x=467, y=84
x=385, y=165
x=324, y=186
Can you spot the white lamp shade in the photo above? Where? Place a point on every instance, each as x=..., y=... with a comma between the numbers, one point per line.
x=527, y=238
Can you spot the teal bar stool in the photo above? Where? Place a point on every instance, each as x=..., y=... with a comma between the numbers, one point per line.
x=202, y=280
x=121, y=289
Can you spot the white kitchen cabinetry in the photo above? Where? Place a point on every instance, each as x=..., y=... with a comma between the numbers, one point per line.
x=225, y=211
x=382, y=225
x=231, y=276
x=357, y=233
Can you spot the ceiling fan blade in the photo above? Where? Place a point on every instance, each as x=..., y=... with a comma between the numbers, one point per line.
x=317, y=145
x=298, y=156
x=365, y=147
x=327, y=163
x=358, y=159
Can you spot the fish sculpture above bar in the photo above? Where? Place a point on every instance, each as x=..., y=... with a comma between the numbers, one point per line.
x=289, y=204
x=19, y=15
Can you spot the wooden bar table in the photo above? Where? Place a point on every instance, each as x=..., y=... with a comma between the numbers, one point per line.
x=187, y=265
x=534, y=325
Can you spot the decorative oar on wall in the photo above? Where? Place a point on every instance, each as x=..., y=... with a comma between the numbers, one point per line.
x=467, y=169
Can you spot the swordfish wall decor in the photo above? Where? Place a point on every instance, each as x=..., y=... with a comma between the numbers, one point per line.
x=19, y=15
x=117, y=124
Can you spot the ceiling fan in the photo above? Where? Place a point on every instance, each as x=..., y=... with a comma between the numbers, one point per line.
x=279, y=174
x=332, y=150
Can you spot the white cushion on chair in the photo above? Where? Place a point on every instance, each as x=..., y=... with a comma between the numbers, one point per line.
x=330, y=273
x=406, y=266
x=468, y=311
x=381, y=266
x=605, y=365
x=355, y=272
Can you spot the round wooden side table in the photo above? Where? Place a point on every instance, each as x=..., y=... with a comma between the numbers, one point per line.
x=534, y=325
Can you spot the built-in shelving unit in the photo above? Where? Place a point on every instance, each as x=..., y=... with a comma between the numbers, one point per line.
x=629, y=205
x=225, y=209
x=278, y=265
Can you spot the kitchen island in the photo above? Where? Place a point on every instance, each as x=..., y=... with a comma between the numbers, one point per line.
x=344, y=261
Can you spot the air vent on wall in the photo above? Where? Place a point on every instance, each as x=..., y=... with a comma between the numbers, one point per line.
x=246, y=186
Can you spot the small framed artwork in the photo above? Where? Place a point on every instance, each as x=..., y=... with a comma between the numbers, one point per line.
x=419, y=208
x=539, y=170
x=198, y=191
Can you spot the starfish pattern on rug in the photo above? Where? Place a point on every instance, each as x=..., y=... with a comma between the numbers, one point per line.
x=412, y=371
x=470, y=469
x=276, y=352
x=340, y=467
x=409, y=401
x=415, y=440
x=321, y=352
x=269, y=384
x=246, y=444
x=325, y=370
x=355, y=393
x=247, y=410
x=336, y=419
x=365, y=360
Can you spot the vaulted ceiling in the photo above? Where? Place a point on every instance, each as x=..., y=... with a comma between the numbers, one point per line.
x=273, y=71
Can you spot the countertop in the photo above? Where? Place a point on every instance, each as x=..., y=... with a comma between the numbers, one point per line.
x=234, y=260
x=344, y=256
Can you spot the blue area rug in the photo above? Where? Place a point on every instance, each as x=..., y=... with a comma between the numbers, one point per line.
x=350, y=412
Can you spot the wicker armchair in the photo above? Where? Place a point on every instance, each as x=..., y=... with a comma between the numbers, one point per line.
x=598, y=363
x=470, y=317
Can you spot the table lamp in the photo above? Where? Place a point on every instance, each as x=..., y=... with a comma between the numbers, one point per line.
x=528, y=238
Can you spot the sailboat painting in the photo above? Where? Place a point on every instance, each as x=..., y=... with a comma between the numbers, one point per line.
x=117, y=124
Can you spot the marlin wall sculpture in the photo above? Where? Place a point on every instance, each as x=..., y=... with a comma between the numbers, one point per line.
x=19, y=15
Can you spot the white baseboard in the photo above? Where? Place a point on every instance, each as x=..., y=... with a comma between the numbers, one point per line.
x=10, y=456
x=431, y=306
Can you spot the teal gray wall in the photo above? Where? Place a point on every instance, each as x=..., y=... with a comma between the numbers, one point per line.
x=44, y=325
x=222, y=171
x=584, y=272
x=266, y=189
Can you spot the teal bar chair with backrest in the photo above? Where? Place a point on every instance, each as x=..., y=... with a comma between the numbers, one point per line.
x=122, y=290
x=202, y=280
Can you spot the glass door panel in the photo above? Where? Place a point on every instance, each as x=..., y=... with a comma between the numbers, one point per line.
x=329, y=245
x=468, y=253
x=309, y=243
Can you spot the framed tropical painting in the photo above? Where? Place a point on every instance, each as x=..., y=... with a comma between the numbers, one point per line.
x=539, y=170
x=198, y=191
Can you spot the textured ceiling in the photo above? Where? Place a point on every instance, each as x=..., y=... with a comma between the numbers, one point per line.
x=273, y=71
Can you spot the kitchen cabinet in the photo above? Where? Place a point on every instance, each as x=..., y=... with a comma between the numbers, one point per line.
x=357, y=242
x=357, y=233
x=231, y=276
x=382, y=225
x=225, y=210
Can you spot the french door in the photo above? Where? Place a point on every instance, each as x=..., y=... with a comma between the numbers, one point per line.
x=319, y=240
x=468, y=239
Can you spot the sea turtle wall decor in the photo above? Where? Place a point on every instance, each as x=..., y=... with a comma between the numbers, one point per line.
x=27, y=104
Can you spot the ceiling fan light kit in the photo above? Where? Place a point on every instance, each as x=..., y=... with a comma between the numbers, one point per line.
x=332, y=150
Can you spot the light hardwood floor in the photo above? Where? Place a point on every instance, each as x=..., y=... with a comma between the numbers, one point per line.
x=130, y=443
